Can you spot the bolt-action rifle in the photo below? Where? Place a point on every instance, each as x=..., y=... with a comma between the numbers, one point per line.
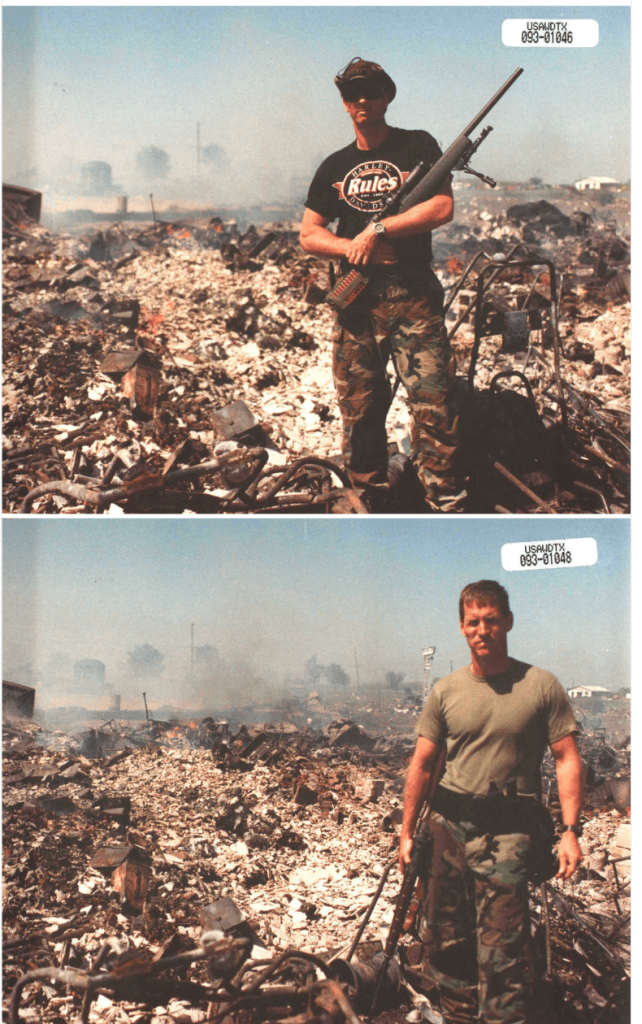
x=420, y=857
x=420, y=185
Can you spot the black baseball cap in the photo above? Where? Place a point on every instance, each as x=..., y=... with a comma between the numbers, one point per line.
x=364, y=77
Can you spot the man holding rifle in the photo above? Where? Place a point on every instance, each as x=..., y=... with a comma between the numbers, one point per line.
x=495, y=717
x=400, y=313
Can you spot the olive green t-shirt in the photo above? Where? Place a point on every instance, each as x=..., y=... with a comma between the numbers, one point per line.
x=496, y=728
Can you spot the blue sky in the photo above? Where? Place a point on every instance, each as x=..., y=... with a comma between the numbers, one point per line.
x=99, y=83
x=272, y=593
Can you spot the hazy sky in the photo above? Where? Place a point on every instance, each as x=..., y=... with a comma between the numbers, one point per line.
x=272, y=593
x=99, y=83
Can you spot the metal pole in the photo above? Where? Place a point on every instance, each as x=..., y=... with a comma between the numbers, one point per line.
x=428, y=653
x=146, y=711
x=356, y=665
x=198, y=150
x=191, y=663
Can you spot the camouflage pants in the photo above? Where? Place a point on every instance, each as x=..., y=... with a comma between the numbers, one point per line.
x=404, y=318
x=474, y=922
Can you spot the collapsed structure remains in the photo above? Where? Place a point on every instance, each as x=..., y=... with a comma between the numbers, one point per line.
x=185, y=367
x=190, y=871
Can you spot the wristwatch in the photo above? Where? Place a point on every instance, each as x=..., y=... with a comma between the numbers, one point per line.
x=577, y=829
x=379, y=228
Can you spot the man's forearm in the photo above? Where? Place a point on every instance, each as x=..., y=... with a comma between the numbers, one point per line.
x=321, y=242
x=424, y=217
x=569, y=784
x=417, y=784
x=421, y=218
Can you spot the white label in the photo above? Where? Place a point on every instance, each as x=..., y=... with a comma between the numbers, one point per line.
x=549, y=554
x=546, y=32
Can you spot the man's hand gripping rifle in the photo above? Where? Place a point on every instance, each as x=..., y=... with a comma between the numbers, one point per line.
x=421, y=185
x=420, y=857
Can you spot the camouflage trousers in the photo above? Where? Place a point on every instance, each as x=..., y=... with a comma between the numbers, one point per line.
x=403, y=318
x=474, y=922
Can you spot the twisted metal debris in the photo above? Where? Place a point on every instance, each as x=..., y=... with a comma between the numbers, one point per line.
x=232, y=987
x=258, y=491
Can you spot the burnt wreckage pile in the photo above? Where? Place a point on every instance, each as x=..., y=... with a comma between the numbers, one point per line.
x=181, y=872
x=184, y=367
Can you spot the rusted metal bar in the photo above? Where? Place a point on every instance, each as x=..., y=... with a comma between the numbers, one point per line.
x=532, y=289
x=342, y=1002
x=593, y=490
x=67, y=488
x=458, y=285
x=513, y=373
x=594, y=449
x=289, y=954
x=66, y=976
x=491, y=277
x=525, y=490
x=366, y=917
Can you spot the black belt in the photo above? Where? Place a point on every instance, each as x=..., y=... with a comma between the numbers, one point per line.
x=496, y=814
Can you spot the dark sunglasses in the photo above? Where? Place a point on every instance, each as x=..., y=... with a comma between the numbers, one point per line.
x=355, y=91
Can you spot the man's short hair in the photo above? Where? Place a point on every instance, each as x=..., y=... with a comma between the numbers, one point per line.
x=484, y=592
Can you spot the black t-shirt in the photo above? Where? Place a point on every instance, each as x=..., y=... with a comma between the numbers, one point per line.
x=352, y=184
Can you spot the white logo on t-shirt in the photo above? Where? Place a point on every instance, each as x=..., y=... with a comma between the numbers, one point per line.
x=367, y=186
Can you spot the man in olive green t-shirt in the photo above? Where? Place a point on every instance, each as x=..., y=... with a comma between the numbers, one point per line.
x=495, y=719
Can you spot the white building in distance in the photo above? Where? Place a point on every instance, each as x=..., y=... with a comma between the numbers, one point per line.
x=587, y=691
x=595, y=183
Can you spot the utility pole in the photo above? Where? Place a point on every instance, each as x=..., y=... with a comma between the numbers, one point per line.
x=356, y=665
x=191, y=661
x=429, y=654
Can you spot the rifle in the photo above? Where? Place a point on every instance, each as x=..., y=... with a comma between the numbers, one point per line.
x=421, y=854
x=414, y=191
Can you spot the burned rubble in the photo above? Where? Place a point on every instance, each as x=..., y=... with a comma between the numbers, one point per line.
x=186, y=367
x=187, y=871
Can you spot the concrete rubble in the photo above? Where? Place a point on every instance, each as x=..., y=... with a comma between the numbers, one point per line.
x=200, y=869
x=186, y=367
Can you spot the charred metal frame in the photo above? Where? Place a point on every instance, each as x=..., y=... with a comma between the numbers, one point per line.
x=490, y=273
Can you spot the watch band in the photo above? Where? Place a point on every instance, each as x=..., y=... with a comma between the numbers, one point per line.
x=577, y=829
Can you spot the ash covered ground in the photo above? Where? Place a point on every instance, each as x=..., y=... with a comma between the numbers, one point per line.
x=147, y=835
x=128, y=349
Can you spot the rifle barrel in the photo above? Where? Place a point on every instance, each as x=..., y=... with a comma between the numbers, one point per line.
x=491, y=103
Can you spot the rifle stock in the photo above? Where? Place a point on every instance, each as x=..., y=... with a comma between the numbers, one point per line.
x=351, y=284
x=421, y=853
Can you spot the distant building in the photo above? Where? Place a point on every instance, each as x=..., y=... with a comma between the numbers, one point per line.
x=587, y=691
x=595, y=183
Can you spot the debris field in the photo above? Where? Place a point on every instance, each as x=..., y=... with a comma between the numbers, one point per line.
x=184, y=367
x=176, y=871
